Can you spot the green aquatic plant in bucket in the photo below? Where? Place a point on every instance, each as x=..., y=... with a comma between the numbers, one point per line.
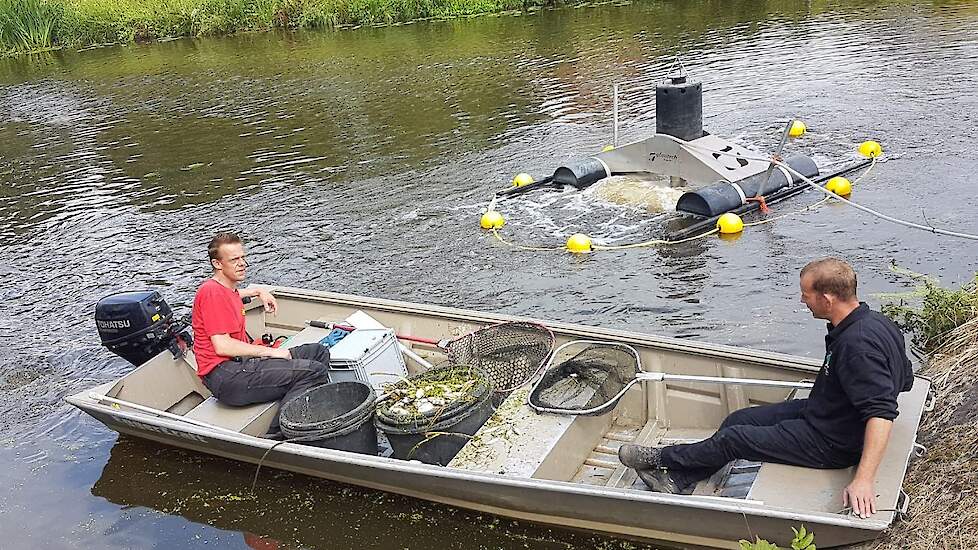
x=430, y=416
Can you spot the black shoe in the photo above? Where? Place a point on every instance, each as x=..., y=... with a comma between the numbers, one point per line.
x=639, y=457
x=661, y=481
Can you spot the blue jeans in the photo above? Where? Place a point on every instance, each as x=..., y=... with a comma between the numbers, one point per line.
x=251, y=380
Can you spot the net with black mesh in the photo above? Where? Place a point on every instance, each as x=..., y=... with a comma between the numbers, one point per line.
x=585, y=377
x=510, y=354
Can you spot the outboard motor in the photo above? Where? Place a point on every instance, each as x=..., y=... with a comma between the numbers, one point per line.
x=138, y=325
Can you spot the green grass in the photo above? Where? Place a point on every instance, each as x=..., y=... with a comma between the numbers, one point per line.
x=33, y=25
x=28, y=25
x=931, y=312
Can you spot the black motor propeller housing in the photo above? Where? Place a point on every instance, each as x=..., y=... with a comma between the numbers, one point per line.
x=138, y=325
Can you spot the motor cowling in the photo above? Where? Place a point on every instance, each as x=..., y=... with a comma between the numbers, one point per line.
x=138, y=325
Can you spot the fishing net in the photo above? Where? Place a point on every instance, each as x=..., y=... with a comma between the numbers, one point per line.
x=585, y=378
x=510, y=354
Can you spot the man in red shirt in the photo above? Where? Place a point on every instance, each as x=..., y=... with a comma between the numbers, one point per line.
x=236, y=371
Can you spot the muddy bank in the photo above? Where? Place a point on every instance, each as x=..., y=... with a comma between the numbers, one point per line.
x=943, y=483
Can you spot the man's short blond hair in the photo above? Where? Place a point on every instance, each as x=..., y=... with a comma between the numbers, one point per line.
x=219, y=240
x=832, y=276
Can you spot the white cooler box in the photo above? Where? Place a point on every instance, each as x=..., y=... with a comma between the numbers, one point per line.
x=368, y=355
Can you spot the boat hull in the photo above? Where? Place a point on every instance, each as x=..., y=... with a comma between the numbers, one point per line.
x=632, y=514
x=683, y=521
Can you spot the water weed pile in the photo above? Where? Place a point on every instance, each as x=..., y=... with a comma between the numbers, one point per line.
x=432, y=393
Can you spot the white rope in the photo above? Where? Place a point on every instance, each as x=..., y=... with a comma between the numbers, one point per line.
x=804, y=178
x=740, y=191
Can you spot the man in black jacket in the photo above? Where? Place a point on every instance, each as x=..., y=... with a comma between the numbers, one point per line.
x=845, y=421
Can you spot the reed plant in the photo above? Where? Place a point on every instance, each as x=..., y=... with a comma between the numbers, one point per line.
x=31, y=25
x=28, y=25
x=931, y=312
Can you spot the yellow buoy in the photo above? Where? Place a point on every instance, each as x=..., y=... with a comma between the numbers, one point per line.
x=840, y=186
x=522, y=179
x=607, y=148
x=730, y=223
x=870, y=149
x=798, y=128
x=492, y=220
x=578, y=243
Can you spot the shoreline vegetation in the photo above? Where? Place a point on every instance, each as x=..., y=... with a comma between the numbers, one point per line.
x=942, y=483
x=29, y=26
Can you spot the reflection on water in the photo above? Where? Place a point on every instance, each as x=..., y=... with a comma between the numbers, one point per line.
x=217, y=492
x=359, y=161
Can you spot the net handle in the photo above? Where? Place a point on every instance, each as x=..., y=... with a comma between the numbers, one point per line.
x=665, y=377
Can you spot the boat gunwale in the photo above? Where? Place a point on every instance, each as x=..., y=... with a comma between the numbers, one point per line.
x=760, y=357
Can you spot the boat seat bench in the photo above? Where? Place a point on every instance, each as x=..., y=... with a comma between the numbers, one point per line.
x=250, y=419
x=821, y=490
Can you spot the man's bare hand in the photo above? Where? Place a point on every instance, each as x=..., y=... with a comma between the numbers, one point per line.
x=271, y=305
x=861, y=496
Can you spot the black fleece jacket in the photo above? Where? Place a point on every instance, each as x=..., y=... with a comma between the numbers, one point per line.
x=865, y=368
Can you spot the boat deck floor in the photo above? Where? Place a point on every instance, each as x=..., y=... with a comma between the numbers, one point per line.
x=602, y=468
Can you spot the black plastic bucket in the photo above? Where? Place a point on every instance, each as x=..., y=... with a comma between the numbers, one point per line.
x=437, y=443
x=436, y=439
x=333, y=416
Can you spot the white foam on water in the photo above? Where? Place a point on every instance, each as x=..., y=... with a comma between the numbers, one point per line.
x=649, y=192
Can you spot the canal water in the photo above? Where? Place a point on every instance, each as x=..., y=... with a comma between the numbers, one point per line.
x=358, y=161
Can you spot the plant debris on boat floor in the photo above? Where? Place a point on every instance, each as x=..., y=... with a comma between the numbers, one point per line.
x=943, y=484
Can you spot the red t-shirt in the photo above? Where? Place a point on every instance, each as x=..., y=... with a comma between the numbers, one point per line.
x=217, y=310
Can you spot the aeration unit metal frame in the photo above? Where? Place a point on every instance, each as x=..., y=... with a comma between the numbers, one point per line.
x=721, y=176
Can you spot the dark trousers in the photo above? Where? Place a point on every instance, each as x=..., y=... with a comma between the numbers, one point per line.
x=769, y=433
x=262, y=379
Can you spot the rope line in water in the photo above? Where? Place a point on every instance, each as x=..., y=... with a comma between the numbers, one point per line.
x=500, y=238
x=654, y=242
x=830, y=194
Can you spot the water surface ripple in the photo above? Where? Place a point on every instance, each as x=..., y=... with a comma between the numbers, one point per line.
x=358, y=161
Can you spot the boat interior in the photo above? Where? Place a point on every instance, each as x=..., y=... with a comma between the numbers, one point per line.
x=517, y=441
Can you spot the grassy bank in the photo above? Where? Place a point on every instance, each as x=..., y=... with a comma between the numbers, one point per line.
x=943, y=483
x=35, y=25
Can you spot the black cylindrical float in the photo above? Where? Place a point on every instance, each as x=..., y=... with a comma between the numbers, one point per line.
x=679, y=108
x=582, y=173
x=723, y=196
